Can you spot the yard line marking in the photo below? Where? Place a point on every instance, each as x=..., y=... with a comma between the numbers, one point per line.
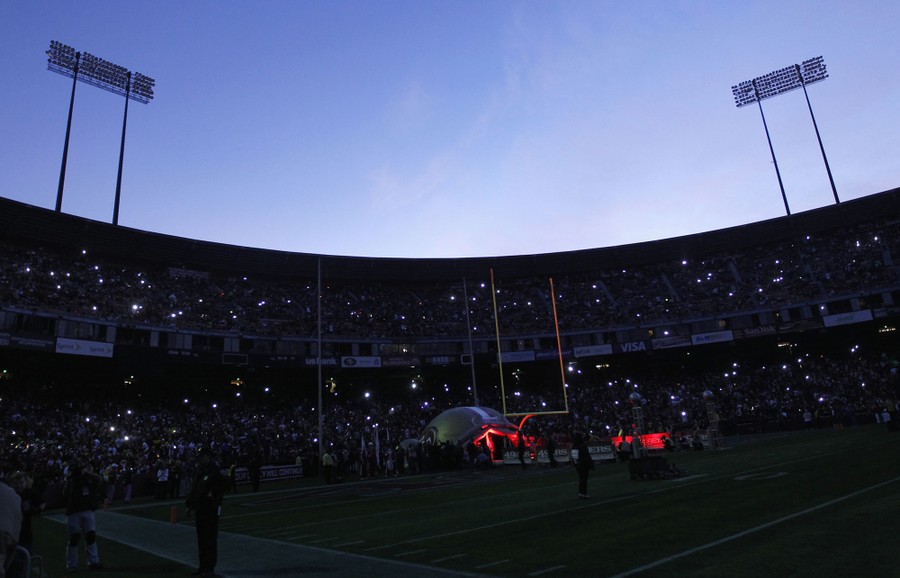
x=469, y=482
x=341, y=545
x=703, y=478
x=686, y=478
x=489, y=564
x=547, y=570
x=282, y=532
x=383, y=493
x=698, y=479
x=518, y=520
x=322, y=540
x=410, y=553
x=445, y=558
x=726, y=539
x=290, y=538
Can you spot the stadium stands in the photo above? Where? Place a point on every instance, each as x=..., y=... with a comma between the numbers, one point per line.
x=812, y=283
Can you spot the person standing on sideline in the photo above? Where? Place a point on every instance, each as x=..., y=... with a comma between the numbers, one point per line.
x=584, y=463
x=205, y=499
x=328, y=466
x=551, y=449
x=253, y=468
x=109, y=482
x=127, y=481
x=232, y=477
x=521, y=449
x=162, y=480
x=32, y=504
x=82, y=493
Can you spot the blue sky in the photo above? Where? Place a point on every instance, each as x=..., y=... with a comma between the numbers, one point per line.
x=447, y=129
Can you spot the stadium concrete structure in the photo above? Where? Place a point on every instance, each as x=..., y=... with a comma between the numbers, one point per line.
x=48, y=331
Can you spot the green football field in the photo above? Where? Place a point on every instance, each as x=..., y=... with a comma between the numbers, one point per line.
x=810, y=503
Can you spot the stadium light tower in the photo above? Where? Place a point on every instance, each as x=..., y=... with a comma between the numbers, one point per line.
x=88, y=68
x=779, y=82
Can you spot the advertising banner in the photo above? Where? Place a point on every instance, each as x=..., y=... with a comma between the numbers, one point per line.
x=359, y=361
x=20, y=342
x=632, y=346
x=651, y=441
x=592, y=350
x=326, y=361
x=516, y=356
x=797, y=326
x=401, y=361
x=847, y=318
x=268, y=473
x=761, y=331
x=714, y=337
x=545, y=354
x=81, y=347
x=600, y=452
x=670, y=342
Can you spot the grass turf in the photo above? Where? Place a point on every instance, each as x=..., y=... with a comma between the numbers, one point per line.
x=809, y=503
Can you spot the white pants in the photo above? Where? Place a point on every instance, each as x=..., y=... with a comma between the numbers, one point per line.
x=82, y=523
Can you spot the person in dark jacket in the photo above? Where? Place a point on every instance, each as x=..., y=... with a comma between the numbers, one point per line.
x=205, y=500
x=551, y=449
x=32, y=504
x=521, y=449
x=584, y=463
x=253, y=469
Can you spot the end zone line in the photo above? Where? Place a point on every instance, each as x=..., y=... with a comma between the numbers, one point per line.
x=721, y=541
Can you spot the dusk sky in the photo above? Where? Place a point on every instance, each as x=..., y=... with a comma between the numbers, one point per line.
x=448, y=128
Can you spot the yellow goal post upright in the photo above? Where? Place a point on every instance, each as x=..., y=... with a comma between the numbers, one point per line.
x=562, y=372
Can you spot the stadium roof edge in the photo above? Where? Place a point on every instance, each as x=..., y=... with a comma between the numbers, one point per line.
x=21, y=223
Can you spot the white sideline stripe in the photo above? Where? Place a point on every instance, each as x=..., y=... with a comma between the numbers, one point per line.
x=410, y=553
x=721, y=541
x=177, y=542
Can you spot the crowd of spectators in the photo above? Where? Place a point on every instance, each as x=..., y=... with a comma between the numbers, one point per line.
x=850, y=261
x=125, y=435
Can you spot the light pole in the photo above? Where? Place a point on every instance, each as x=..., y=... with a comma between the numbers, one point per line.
x=88, y=68
x=779, y=82
x=471, y=346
